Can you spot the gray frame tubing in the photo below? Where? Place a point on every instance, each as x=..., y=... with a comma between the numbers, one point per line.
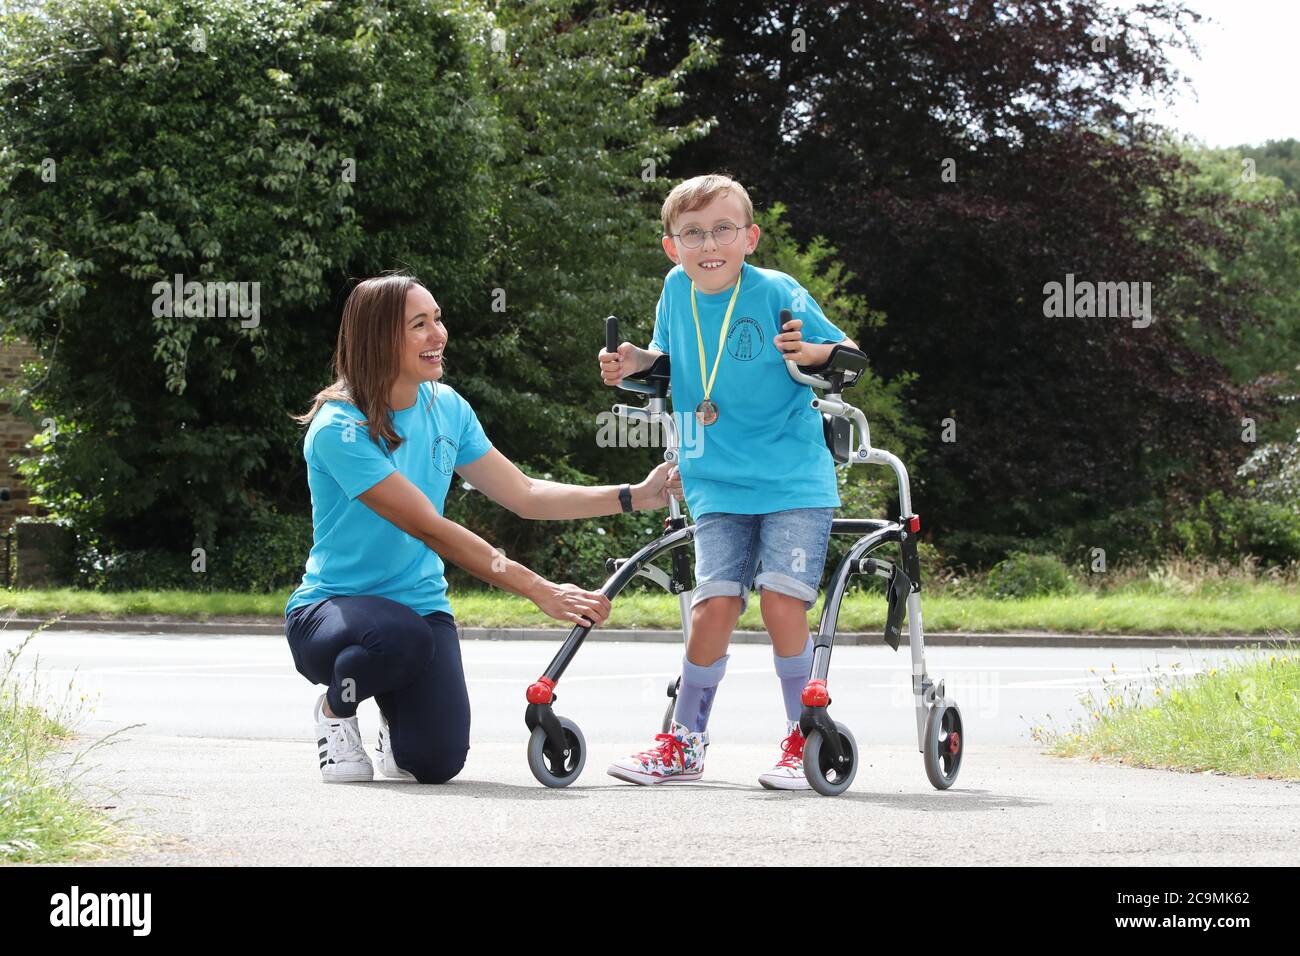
x=877, y=532
x=611, y=588
x=884, y=533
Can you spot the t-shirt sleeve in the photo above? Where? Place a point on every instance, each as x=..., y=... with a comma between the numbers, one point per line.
x=659, y=340
x=816, y=329
x=473, y=443
x=343, y=448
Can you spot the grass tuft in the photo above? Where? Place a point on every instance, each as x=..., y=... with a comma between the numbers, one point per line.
x=43, y=814
x=1240, y=718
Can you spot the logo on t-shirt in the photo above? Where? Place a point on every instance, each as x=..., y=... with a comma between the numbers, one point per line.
x=444, y=454
x=745, y=340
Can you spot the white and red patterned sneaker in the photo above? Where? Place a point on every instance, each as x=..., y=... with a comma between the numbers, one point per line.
x=676, y=758
x=788, y=773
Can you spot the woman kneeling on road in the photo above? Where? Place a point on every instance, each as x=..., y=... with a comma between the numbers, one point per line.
x=371, y=617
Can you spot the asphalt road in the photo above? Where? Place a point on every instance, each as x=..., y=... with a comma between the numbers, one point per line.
x=223, y=768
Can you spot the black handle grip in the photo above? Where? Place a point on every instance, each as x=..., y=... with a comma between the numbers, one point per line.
x=611, y=334
x=786, y=316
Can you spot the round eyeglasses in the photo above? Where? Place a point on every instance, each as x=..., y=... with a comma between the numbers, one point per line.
x=724, y=234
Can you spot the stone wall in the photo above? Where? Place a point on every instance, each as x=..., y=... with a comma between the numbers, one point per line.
x=15, y=431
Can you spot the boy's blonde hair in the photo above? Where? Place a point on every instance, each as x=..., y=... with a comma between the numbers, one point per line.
x=697, y=193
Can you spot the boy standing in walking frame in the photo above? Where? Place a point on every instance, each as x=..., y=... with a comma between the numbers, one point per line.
x=762, y=492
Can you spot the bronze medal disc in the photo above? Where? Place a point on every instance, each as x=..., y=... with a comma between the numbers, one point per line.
x=707, y=412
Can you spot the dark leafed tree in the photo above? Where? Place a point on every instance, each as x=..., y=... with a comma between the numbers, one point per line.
x=962, y=156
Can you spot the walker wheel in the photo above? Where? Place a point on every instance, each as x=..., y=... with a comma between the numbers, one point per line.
x=945, y=743
x=826, y=777
x=550, y=768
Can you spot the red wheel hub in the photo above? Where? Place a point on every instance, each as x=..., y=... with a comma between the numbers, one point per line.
x=815, y=694
x=540, y=692
x=954, y=742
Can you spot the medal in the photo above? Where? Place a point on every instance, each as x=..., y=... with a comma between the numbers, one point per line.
x=707, y=411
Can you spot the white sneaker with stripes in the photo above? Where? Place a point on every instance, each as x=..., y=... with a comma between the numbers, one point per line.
x=338, y=743
x=384, y=751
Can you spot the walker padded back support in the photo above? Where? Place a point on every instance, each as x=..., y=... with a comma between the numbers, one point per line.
x=839, y=435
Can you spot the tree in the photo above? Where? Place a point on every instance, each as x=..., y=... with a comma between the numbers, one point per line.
x=578, y=177
x=505, y=153
x=282, y=146
x=1264, y=351
x=1279, y=158
x=962, y=157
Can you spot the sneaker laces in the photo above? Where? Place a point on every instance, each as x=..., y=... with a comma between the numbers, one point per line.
x=792, y=748
x=344, y=739
x=669, y=747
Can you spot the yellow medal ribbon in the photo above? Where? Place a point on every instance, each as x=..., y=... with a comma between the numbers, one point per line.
x=722, y=337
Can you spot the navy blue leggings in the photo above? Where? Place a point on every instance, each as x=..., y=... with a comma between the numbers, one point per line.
x=365, y=647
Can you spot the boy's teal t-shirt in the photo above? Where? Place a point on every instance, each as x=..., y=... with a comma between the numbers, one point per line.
x=354, y=550
x=765, y=452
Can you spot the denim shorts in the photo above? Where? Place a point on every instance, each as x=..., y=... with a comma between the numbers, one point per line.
x=784, y=551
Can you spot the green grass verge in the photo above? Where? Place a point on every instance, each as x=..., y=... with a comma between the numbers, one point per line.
x=43, y=816
x=1110, y=614
x=190, y=604
x=1240, y=718
x=1243, y=608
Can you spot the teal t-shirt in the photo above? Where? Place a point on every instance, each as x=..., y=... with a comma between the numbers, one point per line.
x=354, y=550
x=765, y=452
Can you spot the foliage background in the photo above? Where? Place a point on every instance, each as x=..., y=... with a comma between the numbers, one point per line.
x=517, y=152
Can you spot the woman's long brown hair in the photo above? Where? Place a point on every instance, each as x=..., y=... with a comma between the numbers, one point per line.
x=369, y=354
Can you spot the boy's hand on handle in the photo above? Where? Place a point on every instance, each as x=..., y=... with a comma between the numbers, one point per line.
x=571, y=604
x=791, y=344
x=664, y=480
x=615, y=366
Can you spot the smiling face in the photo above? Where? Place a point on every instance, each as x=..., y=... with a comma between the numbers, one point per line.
x=713, y=266
x=423, y=338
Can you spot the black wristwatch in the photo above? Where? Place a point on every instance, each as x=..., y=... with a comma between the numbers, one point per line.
x=625, y=497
